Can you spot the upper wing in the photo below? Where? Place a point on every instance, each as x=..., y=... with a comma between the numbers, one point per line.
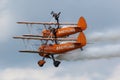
x=47, y=23
x=31, y=35
x=38, y=38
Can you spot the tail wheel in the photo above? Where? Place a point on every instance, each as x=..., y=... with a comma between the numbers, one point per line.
x=81, y=49
x=41, y=63
x=56, y=63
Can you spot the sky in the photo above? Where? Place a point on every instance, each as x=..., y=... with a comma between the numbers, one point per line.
x=98, y=61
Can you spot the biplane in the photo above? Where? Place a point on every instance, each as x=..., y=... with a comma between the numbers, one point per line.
x=48, y=50
x=70, y=29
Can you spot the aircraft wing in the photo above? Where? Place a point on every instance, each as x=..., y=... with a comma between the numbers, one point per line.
x=48, y=23
x=38, y=38
x=35, y=35
x=29, y=51
x=31, y=35
x=32, y=51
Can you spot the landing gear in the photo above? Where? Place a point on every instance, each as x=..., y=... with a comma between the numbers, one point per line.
x=41, y=63
x=81, y=49
x=55, y=63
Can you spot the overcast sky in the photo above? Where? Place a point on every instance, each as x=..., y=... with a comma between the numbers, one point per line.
x=98, y=61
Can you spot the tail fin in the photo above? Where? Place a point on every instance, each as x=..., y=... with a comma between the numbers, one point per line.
x=82, y=39
x=82, y=23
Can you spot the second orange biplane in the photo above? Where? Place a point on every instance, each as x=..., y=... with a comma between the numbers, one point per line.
x=49, y=50
x=69, y=29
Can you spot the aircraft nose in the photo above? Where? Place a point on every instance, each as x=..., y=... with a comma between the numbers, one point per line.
x=41, y=48
x=46, y=32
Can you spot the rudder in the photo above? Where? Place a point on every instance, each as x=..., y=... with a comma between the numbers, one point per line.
x=82, y=39
x=82, y=23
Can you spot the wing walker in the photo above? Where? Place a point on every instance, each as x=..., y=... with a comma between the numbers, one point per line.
x=56, y=35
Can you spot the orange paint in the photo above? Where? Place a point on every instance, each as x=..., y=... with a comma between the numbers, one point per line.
x=61, y=32
x=62, y=48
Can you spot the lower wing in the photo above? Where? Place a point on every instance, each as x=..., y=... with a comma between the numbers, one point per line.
x=39, y=38
x=29, y=51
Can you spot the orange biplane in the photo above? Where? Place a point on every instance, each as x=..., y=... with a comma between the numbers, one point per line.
x=48, y=50
x=72, y=28
x=67, y=30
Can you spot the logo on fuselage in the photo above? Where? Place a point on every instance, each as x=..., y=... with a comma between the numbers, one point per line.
x=66, y=31
x=63, y=47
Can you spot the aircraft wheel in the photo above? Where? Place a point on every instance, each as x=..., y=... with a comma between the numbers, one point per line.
x=41, y=63
x=56, y=63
